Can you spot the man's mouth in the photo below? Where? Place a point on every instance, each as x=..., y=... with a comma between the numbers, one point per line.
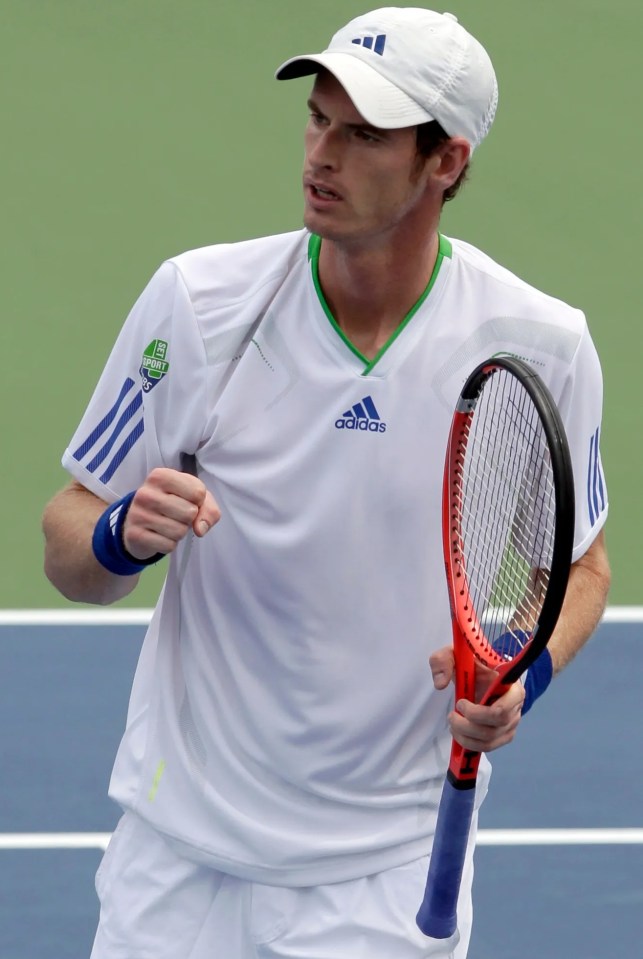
x=327, y=194
x=322, y=192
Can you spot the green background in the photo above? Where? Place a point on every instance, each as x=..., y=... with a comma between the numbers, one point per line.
x=135, y=129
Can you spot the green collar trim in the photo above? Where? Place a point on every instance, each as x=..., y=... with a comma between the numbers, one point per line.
x=314, y=246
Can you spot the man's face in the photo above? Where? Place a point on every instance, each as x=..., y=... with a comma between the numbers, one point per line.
x=361, y=183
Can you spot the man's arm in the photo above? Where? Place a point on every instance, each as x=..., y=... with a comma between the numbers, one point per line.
x=165, y=508
x=483, y=728
x=585, y=602
x=70, y=565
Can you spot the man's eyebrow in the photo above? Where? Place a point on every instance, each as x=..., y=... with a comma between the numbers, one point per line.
x=367, y=127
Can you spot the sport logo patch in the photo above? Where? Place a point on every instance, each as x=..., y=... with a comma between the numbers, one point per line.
x=362, y=416
x=154, y=366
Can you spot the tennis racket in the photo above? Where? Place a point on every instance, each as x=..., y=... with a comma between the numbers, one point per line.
x=508, y=529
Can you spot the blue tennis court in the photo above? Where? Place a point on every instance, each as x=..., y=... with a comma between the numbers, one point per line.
x=567, y=851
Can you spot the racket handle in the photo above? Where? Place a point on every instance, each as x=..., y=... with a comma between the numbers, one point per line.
x=437, y=916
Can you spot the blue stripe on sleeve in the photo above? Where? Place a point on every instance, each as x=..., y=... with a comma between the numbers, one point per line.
x=590, y=498
x=596, y=499
x=600, y=487
x=122, y=451
x=595, y=476
x=122, y=422
x=107, y=420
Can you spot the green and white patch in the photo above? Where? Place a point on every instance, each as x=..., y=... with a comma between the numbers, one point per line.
x=154, y=364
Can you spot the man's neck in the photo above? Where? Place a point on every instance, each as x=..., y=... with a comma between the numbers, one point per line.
x=370, y=291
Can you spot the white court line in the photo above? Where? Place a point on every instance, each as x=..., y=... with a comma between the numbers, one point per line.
x=53, y=840
x=75, y=617
x=141, y=617
x=560, y=837
x=623, y=614
x=486, y=837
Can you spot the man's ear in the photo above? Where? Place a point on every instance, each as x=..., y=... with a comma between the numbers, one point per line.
x=450, y=158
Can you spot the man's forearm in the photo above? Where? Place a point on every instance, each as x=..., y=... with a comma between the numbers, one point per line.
x=584, y=604
x=70, y=565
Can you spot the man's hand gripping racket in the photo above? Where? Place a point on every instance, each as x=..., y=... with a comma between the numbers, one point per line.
x=508, y=529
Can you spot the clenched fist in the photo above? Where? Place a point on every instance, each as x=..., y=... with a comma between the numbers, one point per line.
x=165, y=508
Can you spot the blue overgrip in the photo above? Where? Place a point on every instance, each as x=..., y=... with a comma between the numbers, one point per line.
x=437, y=916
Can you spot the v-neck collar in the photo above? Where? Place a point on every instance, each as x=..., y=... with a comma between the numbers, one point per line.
x=314, y=248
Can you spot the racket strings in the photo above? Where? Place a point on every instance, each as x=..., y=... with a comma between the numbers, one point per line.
x=503, y=503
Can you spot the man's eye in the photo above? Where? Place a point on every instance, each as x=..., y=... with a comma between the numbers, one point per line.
x=366, y=135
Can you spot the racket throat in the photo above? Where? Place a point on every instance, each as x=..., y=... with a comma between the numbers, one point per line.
x=463, y=767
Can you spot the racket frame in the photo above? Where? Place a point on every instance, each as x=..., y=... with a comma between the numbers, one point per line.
x=437, y=916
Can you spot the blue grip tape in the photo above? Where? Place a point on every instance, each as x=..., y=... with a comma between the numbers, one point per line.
x=437, y=916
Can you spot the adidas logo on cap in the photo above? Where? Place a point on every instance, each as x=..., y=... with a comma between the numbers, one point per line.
x=376, y=44
x=362, y=416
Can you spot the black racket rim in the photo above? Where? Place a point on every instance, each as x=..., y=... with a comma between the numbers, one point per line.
x=563, y=481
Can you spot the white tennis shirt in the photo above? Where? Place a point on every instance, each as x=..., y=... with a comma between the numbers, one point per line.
x=283, y=725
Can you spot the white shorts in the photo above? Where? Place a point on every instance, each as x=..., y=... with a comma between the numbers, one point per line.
x=157, y=905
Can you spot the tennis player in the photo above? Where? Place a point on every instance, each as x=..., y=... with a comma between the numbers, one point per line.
x=274, y=416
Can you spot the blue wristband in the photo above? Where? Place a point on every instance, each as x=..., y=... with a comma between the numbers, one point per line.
x=540, y=673
x=107, y=541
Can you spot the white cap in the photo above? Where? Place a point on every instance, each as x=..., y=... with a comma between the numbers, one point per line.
x=402, y=66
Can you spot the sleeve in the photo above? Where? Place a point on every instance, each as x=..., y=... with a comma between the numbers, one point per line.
x=581, y=405
x=149, y=407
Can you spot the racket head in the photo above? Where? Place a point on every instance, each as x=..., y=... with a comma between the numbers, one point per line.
x=508, y=518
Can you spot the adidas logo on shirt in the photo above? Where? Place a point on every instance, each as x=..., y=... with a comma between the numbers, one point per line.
x=363, y=416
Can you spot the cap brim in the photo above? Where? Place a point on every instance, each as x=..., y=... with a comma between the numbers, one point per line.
x=379, y=101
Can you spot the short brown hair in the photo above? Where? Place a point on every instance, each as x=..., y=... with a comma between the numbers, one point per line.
x=429, y=136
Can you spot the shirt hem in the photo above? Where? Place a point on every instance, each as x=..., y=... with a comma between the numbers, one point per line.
x=337, y=869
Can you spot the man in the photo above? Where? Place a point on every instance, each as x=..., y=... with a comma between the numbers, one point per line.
x=285, y=747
